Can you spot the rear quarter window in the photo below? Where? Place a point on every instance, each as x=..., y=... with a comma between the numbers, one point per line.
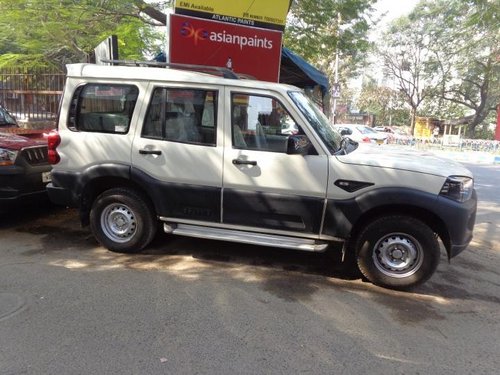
x=102, y=108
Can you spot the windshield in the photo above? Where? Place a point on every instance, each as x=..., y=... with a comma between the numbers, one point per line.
x=366, y=130
x=330, y=137
x=6, y=118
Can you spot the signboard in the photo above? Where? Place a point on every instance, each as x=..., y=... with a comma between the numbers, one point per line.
x=106, y=50
x=245, y=50
x=422, y=127
x=257, y=13
x=336, y=91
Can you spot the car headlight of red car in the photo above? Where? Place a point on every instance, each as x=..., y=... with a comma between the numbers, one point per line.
x=7, y=157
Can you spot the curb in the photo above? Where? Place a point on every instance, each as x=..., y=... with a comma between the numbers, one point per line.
x=481, y=157
x=469, y=157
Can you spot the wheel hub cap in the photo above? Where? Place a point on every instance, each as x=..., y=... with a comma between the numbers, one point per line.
x=398, y=255
x=118, y=222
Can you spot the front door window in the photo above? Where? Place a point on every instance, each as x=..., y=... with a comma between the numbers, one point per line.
x=260, y=123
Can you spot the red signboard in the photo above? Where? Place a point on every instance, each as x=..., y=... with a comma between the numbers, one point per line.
x=246, y=50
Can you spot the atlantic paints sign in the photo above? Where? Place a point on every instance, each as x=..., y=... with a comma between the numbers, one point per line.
x=256, y=13
x=246, y=50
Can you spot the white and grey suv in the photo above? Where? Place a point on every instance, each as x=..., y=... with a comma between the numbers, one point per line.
x=207, y=157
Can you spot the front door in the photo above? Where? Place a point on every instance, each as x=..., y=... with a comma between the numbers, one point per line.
x=264, y=187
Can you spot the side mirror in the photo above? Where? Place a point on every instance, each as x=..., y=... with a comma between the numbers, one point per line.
x=298, y=145
x=345, y=131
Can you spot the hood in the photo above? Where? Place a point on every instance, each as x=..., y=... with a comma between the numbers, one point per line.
x=377, y=135
x=408, y=160
x=17, y=142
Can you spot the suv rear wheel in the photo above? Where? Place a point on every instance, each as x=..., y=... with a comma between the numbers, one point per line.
x=122, y=220
x=397, y=252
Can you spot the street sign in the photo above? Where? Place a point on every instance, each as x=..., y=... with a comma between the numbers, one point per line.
x=257, y=13
x=336, y=91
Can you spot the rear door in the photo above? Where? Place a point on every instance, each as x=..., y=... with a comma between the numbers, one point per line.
x=264, y=187
x=177, y=152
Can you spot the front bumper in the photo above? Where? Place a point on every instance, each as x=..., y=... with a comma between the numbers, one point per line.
x=459, y=219
x=19, y=184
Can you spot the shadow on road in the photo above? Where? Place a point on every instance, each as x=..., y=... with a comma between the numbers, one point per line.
x=60, y=229
x=286, y=273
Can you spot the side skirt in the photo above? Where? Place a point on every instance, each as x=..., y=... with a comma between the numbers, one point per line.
x=221, y=234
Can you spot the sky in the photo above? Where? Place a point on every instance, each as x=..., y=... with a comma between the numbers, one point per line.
x=394, y=8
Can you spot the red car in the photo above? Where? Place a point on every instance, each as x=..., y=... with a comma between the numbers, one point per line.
x=24, y=169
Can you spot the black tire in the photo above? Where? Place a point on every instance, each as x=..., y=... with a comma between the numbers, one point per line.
x=122, y=220
x=397, y=252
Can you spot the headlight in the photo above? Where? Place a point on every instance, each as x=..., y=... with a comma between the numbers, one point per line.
x=7, y=157
x=458, y=188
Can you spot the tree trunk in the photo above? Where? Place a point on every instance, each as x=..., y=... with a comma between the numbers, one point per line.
x=151, y=11
x=413, y=116
x=476, y=120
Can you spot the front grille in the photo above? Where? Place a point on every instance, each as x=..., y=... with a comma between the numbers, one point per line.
x=35, y=155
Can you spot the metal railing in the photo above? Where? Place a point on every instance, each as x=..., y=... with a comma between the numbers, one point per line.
x=31, y=94
x=462, y=144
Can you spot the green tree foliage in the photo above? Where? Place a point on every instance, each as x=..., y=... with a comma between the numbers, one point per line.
x=31, y=61
x=387, y=104
x=403, y=53
x=315, y=32
x=453, y=54
x=62, y=31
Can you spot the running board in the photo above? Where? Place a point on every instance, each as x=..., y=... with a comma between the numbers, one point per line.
x=260, y=239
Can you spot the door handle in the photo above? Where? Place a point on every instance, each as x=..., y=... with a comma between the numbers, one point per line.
x=150, y=152
x=244, y=162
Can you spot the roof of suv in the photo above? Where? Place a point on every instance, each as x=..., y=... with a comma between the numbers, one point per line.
x=165, y=74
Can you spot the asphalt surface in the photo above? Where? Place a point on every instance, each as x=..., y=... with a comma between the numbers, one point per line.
x=186, y=306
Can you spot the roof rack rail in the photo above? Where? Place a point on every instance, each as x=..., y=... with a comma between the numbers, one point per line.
x=217, y=70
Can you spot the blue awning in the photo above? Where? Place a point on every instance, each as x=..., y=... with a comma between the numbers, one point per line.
x=297, y=71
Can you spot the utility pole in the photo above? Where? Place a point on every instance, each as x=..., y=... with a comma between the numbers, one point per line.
x=336, y=85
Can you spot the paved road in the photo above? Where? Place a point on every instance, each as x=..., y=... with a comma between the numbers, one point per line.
x=185, y=306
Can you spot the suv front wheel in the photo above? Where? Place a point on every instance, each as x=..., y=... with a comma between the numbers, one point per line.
x=122, y=220
x=397, y=252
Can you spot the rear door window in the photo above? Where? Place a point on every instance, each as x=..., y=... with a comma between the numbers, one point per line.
x=182, y=115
